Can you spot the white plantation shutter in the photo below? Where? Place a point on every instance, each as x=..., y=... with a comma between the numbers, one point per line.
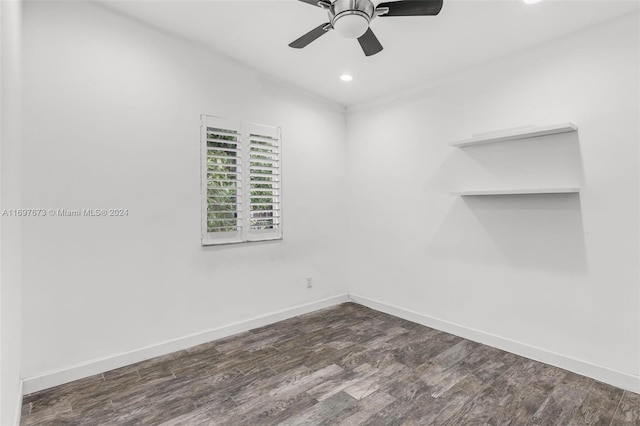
x=264, y=180
x=222, y=181
x=241, y=182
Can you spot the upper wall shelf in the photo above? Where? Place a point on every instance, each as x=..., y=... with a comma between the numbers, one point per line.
x=514, y=134
x=522, y=191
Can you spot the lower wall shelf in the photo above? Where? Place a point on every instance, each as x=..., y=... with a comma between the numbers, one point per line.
x=522, y=191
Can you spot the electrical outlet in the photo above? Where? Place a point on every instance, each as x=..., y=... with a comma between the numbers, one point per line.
x=309, y=282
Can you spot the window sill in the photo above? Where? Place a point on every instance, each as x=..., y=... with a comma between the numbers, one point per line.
x=225, y=243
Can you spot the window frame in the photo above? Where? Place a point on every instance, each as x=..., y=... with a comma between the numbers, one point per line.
x=244, y=234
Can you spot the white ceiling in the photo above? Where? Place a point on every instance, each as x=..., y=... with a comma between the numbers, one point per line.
x=417, y=49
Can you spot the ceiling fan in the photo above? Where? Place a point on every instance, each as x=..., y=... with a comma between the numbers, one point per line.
x=351, y=18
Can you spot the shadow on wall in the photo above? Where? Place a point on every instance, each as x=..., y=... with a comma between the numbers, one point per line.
x=541, y=231
x=534, y=231
x=548, y=161
x=542, y=162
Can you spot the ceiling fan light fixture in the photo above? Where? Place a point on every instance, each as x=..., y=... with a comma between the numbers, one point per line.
x=346, y=78
x=351, y=19
x=351, y=24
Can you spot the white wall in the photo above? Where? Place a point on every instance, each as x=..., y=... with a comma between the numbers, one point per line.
x=112, y=111
x=536, y=274
x=10, y=232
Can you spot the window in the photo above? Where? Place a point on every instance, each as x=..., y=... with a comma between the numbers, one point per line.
x=241, y=182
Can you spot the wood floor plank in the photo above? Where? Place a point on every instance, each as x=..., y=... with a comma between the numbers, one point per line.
x=368, y=385
x=455, y=353
x=193, y=418
x=50, y=414
x=359, y=412
x=563, y=401
x=328, y=388
x=419, y=352
x=322, y=411
x=345, y=365
x=495, y=394
x=599, y=406
x=153, y=413
x=399, y=410
x=266, y=409
x=215, y=392
x=521, y=408
x=628, y=412
x=450, y=404
x=269, y=383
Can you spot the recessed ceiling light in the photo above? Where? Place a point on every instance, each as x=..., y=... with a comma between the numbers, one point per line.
x=531, y=1
x=346, y=77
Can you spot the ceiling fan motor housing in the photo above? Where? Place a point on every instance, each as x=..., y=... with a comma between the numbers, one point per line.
x=351, y=18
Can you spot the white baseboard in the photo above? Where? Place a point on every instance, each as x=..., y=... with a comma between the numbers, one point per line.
x=603, y=374
x=100, y=365
x=18, y=413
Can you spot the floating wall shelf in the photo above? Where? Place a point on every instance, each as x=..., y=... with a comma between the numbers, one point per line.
x=525, y=191
x=514, y=134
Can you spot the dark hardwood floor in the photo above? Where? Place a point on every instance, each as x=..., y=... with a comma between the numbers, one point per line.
x=346, y=365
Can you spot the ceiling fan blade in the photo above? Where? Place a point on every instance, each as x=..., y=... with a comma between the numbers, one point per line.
x=369, y=43
x=311, y=36
x=326, y=3
x=412, y=7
